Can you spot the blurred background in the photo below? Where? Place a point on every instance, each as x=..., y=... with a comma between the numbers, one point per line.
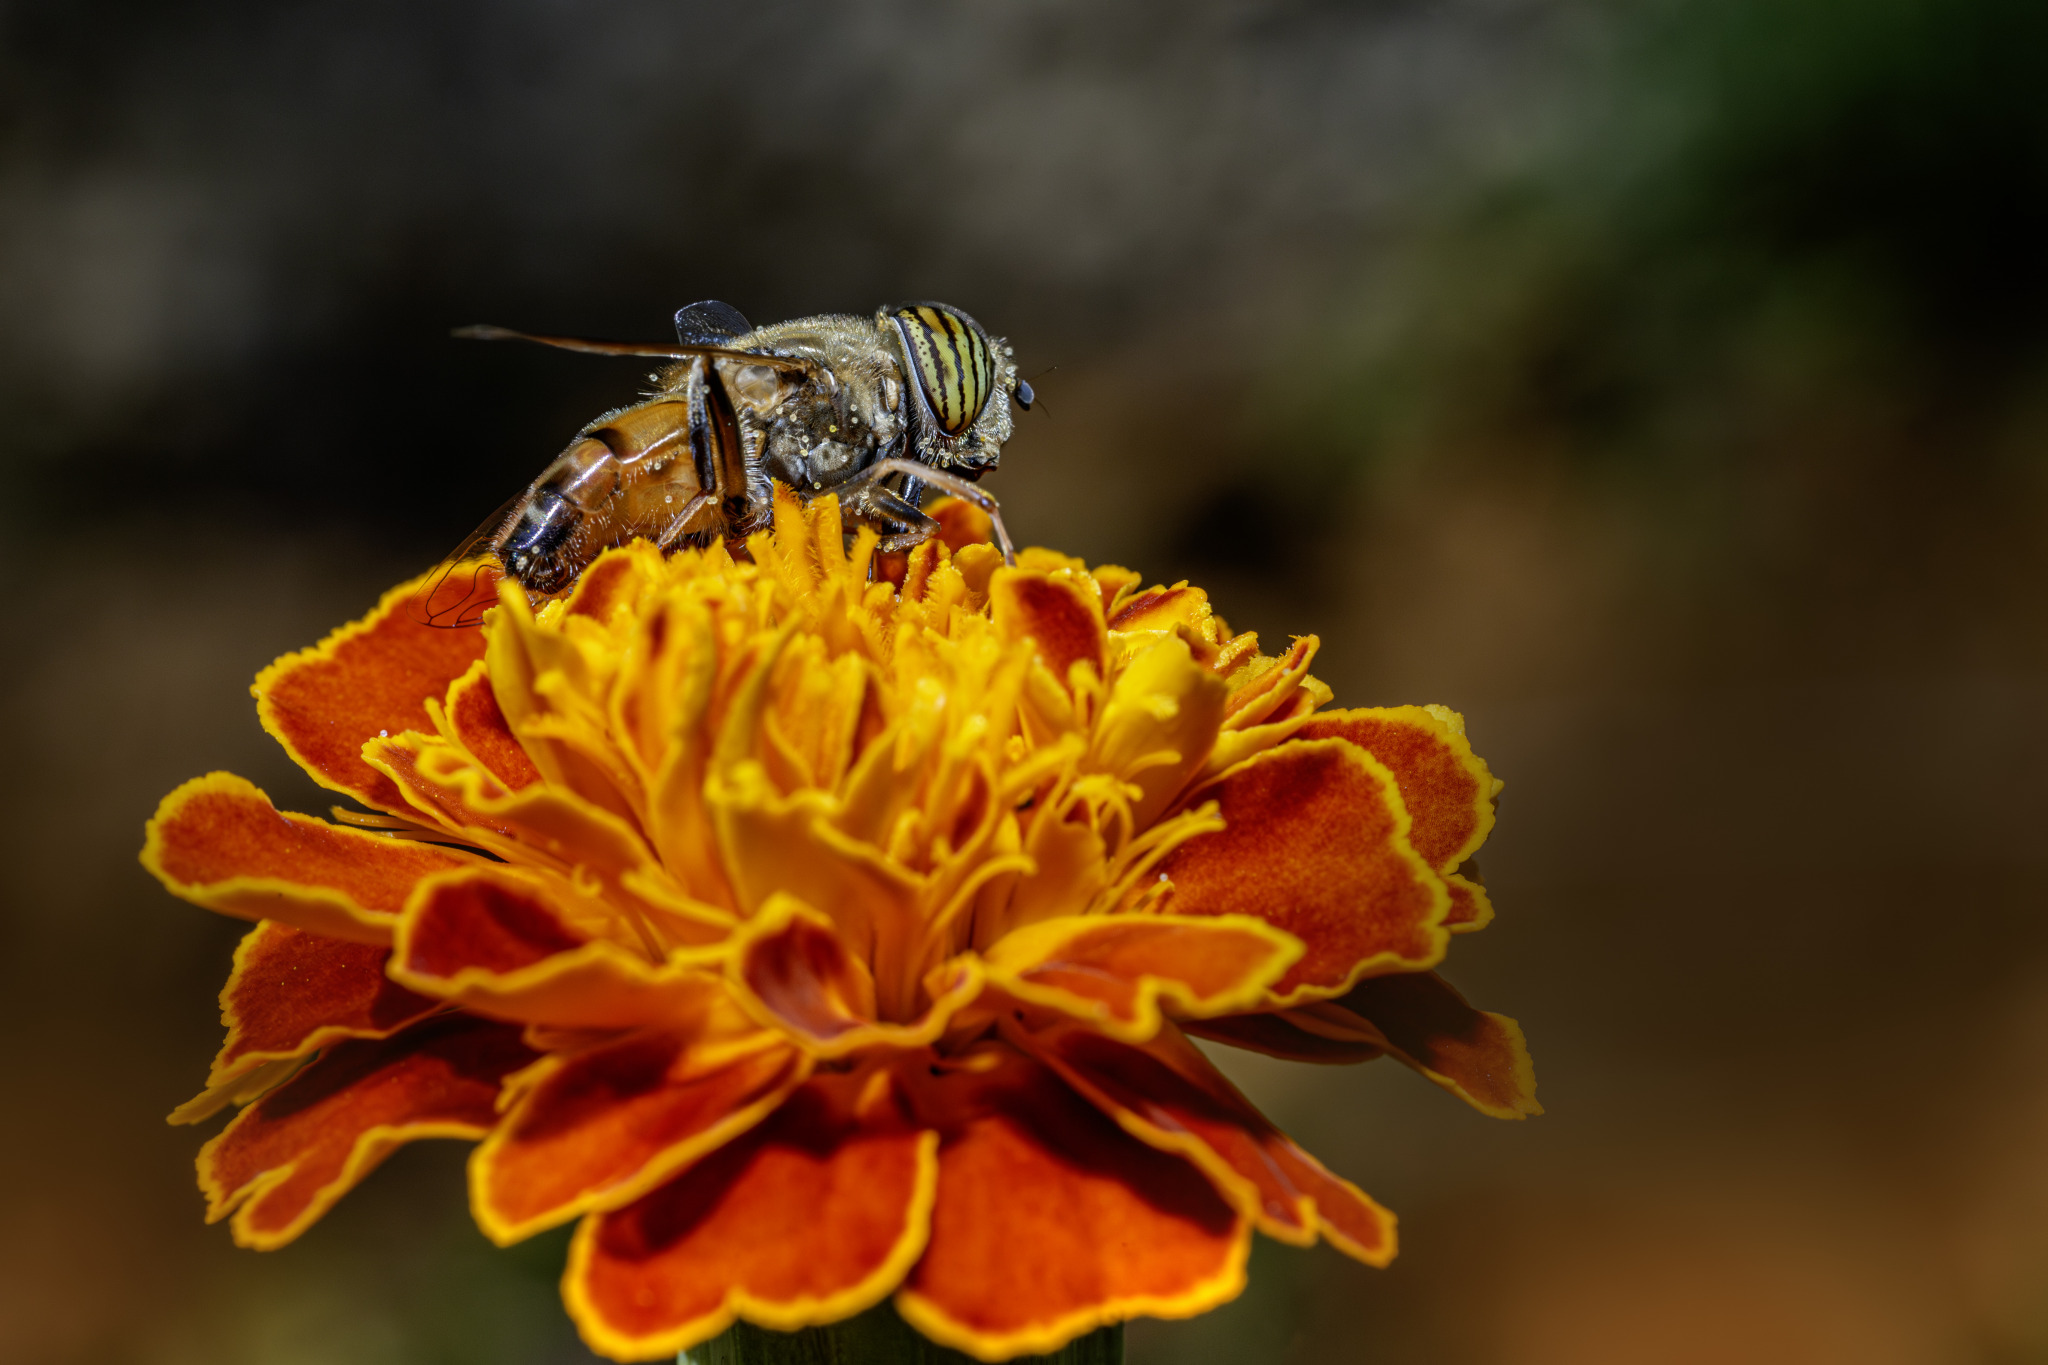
x=1662, y=384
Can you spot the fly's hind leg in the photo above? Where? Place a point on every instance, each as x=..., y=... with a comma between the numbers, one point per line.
x=866, y=486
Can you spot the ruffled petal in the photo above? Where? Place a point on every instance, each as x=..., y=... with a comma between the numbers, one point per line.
x=599, y=1128
x=539, y=823
x=612, y=581
x=1261, y=692
x=1057, y=611
x=492, y=941
x=774, y=844
x=1235, y=746
x=547, y=827
x=292, y=993
x=218, y=842
x=475, y=721
x=286, y=1159
x=1417, y=1017
x=801, y=975
x=1169, y=1096
x=1315, y=842
x=1158, y=725
x=1447, y=789
x=551, y=685
x=1116, y=585
x=1478, y=1056
x=1117, y=971
x=1164, y=609
x=372, y=677
x=811, y=1217
x=961, y=523
x=1283, y=1035
x=1471, y=907
x=1051, y=1221
x=793, y=972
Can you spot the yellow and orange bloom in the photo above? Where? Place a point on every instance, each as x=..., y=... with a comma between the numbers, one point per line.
x=814, y=939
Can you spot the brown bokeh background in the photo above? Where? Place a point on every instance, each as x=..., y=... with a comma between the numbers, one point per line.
x=1663, y=385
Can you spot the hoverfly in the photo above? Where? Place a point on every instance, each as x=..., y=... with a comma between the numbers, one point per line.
x=919, y=394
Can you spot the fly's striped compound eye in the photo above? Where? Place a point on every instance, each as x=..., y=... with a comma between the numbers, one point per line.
x=955, y=371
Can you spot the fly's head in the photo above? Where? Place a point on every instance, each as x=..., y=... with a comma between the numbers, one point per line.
x=959, y=384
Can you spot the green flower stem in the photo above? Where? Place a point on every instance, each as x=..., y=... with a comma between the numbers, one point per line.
x=877, y=1337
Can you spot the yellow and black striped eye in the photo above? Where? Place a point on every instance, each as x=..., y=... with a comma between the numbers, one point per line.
x=955, y=370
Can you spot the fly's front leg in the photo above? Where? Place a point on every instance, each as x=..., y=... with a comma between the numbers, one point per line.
x=717, y=449
x=877, y=503
x=868, y=480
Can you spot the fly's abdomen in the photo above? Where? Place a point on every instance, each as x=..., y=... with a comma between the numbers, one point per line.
x=532, y=551
x=546, y=544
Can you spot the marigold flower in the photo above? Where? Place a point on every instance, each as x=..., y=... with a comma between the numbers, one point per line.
x=814, y=939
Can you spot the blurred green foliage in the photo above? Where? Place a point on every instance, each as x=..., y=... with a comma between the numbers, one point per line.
x=401, y=1278
x=1757, y=224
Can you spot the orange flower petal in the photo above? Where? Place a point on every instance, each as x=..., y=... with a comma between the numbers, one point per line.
x=1417, y=1017
x=1280, y=1035
x=774, y=844
x=961, y=523
x=1447, y=788
x=1116, y=584
x=1480, y=1057
x=286, y=1159
x=1051, y=1221
x=1471, y=907
x=1158, y=725
x=1315, y=842
x=543, y=825
x=1060, y=614
x=370, y=678
x=794, y=973
x=551, y=821
x=479, y=726
x=292, y=993
x=491, y=941
x=599, y=1128
x=541, y=680
x=1163, y=609
x=796, y=966
x=1256, y=696
x=1116, y=970
x=1170, y=1096
x=809, y=1218
x=218, y=842
x=607, y=585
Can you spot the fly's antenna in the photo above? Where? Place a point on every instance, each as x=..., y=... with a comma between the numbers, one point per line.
x=660, y=350
x=1027, y=397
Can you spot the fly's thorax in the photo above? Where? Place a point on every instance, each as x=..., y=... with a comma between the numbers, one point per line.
x=811, y=439
x=814, y=431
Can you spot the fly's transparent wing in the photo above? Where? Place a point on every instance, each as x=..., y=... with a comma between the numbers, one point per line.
x=465, y=584
x=710, y=323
